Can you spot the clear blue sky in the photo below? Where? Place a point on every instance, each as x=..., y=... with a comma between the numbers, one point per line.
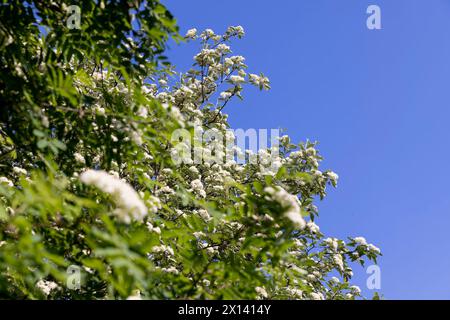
x=378, y=103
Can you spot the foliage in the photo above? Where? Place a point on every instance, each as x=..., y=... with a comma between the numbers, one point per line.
x=88, y=177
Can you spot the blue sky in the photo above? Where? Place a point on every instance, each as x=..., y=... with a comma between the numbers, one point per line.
x=378, y=103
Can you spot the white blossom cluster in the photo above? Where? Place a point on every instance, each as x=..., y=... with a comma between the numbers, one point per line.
x=6, y=181
x=223, y=205
x=193, y=99
x=361, y=242
x=289, y=203
x=46, y=286
x=129, y=205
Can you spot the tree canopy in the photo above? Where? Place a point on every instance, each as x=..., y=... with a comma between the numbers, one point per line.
x=117, y=168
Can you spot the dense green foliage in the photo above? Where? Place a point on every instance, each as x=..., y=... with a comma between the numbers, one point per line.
x=142, y=225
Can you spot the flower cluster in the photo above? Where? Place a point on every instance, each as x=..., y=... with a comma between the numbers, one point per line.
x=46, y=286
x=129, y=204
x=289, y=203
x=202, y=227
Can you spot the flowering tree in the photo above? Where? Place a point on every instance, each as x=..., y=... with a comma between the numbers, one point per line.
x=123, y=172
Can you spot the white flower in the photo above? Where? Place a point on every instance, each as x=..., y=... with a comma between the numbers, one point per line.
x=333, y=176
x=332, y=242
x=150, y=227
x=162, y=96
x=211, y=250
x=129, y=205
x=191, y=33
x=204, y=214
x=145, y=89
x=9, y=40
x=97, y=75
x=317, y=296
x=294, y=292
x=206, y=282
x=208, y=33
x=167, y=189
x=153, y=204
x=142, y=112
x=360, y=241
x=18, y=170
x=100, y=110
x=288, y=202
x=253, y=77
x=355, y=290
x=170, y=270
x=314, y=228
x=236, y=79
x=18, y=69
x=296, y=154
x=237, y=30
x=335, y=280
x=374, y=248
x=46, y=286
x=238, y=60
x=285, y=139
x=298, y=243
x=225, y=95
x=227, y=62
x=311, y=151
x=148, y=156
x=311, y=277
x=223, y=48
x=6, y=181
x=176, y=114
x=136, y=295
x=262, y=292
x=166, y=171
x=136, y=137
x=260, y=81
x=198, y=234
x=337, y=258
x=10, y=211
x=79, y=158
x=197, y=184
x=163, y=249
x=45, y=121
x=194, y=170
x=197, y=187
